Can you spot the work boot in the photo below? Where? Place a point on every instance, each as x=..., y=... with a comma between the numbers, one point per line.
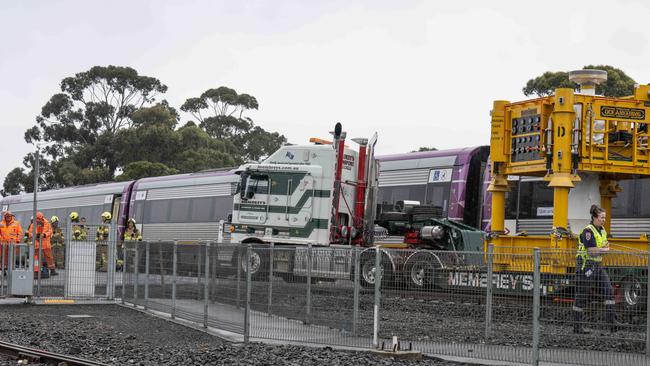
x=578, y=323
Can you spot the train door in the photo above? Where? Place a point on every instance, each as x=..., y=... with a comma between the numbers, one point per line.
x=117, y=199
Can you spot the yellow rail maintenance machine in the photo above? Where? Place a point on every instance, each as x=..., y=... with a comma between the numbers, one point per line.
x=582, y=144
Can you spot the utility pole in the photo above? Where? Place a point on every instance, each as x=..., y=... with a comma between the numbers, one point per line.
x=36, y=173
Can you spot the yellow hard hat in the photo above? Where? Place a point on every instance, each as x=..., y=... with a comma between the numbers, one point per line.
x=131, y=220
x=74, y=216
x=54, y=219
x=106, y=215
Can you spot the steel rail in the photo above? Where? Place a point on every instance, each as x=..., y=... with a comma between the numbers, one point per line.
x=41, y=356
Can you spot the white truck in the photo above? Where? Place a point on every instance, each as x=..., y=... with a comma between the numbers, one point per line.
x=319, y=195
x=322, y=196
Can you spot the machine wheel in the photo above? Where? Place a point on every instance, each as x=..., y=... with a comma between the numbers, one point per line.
x=633, y=294
x=632, y=307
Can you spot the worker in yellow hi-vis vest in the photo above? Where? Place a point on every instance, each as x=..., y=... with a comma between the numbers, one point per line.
x=102, y=241
x=592, y=245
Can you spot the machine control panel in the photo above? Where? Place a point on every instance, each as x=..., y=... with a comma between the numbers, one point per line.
x=526, y=138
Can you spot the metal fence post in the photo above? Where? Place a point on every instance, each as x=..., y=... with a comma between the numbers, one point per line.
x=136, y=270
x=214, y=253
x=66, y=258
x=309, y=265
x=206, y=293
x=355, y=310
x=110, y=270
x=270, y=279
x=239, y=269
x=247, y=312
x=488, y=291
x=3, y=246
x=146, y=276
x=536, y=304
x=199, y=264
x=375, y=326
x=161, y=268
x=647, y=296
x=174, y=265
x=40, y=263
x=11, y=265
x=124, y=269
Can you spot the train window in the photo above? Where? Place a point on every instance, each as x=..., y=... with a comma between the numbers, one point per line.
x=511, y=202
x=202, y=209
x=624, y=204
x=91, y=213
x=156, y=211
x=399, y=193
x=138, y=211
x=438, y=195
x=222, y=207
x=641, y=197
x=180, y=210
x=533, y=195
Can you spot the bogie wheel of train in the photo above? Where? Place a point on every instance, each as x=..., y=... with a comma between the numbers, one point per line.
x=369, y=273
x=259, y=262
x=421, y=274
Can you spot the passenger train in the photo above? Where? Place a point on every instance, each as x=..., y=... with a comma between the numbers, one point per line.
x=189, y=206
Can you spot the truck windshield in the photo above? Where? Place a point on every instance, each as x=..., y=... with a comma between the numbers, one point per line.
x=256, y=184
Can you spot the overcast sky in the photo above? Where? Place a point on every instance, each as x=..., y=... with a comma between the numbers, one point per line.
x=420, y=73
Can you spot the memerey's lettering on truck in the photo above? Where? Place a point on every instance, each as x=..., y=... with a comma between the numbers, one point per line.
x=505, y=281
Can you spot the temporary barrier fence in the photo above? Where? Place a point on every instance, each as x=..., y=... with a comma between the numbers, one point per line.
x=447, y=303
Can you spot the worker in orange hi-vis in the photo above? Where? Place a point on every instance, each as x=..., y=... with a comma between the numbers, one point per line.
x=43, y=235
x=10, y=232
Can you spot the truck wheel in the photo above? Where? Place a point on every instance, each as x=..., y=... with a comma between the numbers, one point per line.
x=421, y=274
x=258, y=264
x=369, y=273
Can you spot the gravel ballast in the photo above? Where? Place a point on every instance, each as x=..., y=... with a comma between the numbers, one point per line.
x=120, y=336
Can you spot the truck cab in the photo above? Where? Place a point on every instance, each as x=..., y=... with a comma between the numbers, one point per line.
x=289, y=198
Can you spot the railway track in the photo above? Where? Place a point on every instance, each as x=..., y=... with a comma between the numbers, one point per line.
x=32, y=355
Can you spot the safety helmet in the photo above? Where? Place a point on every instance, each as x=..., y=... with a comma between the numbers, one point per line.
x=74, y=216
x=8, y=213
x=39, y=216
x=131, y=220
x=106, y=215
x=54, y=219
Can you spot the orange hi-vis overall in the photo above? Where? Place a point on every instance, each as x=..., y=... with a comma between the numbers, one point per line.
x=45, y=232
x=10, y=232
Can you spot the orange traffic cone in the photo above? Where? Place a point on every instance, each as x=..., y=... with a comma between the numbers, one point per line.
x=36, y=265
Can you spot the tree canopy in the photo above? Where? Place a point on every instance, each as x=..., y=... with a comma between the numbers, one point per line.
x=618, y=84
x=107, y=121
x=220, y=112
